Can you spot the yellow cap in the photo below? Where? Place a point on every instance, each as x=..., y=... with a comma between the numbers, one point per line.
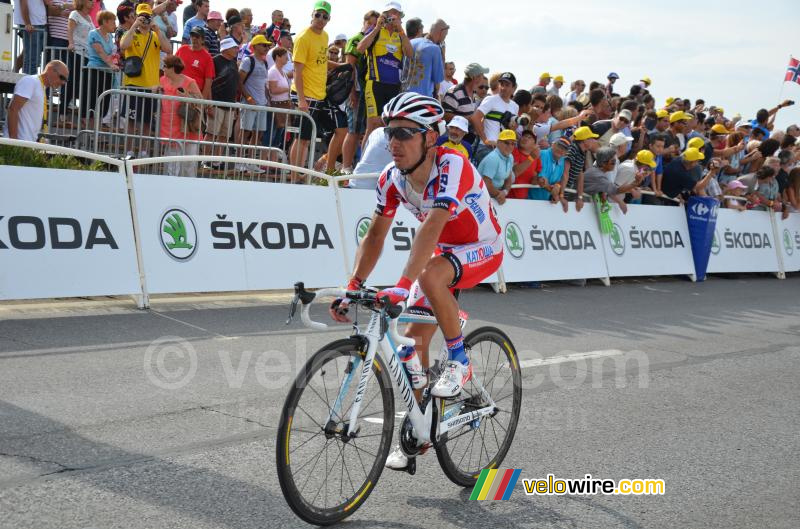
x=143, y=9
x=663, y=113
x=584, y=133
x=720, y=110
x=646, y=157
x=693, y=154
x=646, y=80
x=507, y=135
x=559, y=78
x=720, y=129
x=670, y=100
x=680, y=115
x=545, y=75
x=260, y=39
x=695, y=143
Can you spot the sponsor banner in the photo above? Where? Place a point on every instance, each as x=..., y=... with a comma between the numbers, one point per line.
x=648, y=241
x=701, y=215
x=358, y=206
x=65, y=234
x=543, y=243
x=743, y=242
x=789, y=236
x=203, y=235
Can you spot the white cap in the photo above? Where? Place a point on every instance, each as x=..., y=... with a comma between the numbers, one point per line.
x=227, y=43
x=459, y=122
x=393, y=5
x=619, y=139
x=340, y=36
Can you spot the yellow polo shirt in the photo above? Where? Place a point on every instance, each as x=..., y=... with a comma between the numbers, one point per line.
x=152, y=62
x=311, y=50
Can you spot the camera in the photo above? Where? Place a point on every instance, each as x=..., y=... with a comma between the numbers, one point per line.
x=524, y=120
x=389, y=20
x=789, y=103
x=508, y=120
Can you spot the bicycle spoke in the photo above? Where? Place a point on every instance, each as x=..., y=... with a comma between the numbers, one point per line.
x=306, y=441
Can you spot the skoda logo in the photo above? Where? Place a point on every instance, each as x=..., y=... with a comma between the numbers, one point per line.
x=715, y=247
x=178, y=234
x=787, y=242
x=515, y=242
x=617, y=240
x=362, y=226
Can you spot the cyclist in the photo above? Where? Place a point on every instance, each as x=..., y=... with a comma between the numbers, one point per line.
x=457, y=245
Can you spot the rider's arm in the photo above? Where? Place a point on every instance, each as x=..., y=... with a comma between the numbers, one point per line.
x=370, y=248
x=425, y=242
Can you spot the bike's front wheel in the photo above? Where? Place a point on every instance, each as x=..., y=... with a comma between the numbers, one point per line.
x=325, y=473
x=482, y=443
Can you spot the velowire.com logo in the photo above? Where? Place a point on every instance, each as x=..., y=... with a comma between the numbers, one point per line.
x=495, y=484
x=515, y=242
x=178, y=234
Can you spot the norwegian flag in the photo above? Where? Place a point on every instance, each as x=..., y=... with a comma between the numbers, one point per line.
x=793, y=71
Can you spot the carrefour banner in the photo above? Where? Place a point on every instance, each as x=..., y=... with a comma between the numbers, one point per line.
x=743, y=242
x=203, y=235
x=789, y=241
x=65, y=234
x=543, y=243
x=701, y=215
x=358, y=206
x=648, y=241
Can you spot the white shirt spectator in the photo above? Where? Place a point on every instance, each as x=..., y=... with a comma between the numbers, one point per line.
x=37, y=13
x=289, y=68
x=279, y=77
x=375, y=158
x=32, y=112
x=172, y=18
x=80, y=35
x=495, y=105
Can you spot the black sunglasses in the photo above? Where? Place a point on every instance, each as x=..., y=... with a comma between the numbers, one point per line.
x=62, y=77
x=323, y=16
x=484, y=87
x=401, y=133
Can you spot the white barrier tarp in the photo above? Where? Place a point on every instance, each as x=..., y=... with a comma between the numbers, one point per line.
x=789, y=241
x=65, y=234
x=649, y=241
x=358, y=206
x=202, y=235
x=743, y=242
x=542, y=243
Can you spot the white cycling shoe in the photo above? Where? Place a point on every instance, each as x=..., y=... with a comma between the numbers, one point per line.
x=397, y=460
x=454, y=377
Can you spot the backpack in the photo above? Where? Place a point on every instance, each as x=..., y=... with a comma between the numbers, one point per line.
x=340, y=84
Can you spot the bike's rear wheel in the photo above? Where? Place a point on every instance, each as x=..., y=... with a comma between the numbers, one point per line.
x=326, y=475
x=467, y=450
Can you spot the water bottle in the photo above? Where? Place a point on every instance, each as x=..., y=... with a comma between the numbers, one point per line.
x=413, y=366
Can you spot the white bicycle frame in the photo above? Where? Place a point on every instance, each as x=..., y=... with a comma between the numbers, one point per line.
x=420, y=421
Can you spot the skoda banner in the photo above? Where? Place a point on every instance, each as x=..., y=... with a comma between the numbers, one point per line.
x=701, y=214
x=789, y=241
x=744, y=241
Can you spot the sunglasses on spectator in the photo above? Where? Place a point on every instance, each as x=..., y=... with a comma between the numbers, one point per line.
x=624, y=120
x=484, y=87
x=62, y=77
x=322, y=15
x=402, y=133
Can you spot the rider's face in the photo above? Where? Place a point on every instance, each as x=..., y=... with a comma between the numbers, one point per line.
x=406, y=153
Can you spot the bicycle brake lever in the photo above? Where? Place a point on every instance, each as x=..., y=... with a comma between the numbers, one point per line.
x=293, y=308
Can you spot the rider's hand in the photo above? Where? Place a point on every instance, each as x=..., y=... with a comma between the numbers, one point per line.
x=398, y=293
x=340, y=306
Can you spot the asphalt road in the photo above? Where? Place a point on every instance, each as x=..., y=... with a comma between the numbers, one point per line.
x=695, y=384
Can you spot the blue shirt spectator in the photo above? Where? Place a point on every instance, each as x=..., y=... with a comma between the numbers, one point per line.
x=425, y=69
x=496, y=166
x=552, y=168
x=107, y=44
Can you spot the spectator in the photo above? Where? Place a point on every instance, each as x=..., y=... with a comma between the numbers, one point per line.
x=552, y=173
x=596, y=180
x=558, y=82
x=247, y=24
x=793, y=130
x=793, y=191
x=527, y=164
x=735, y=188
x=676, y=140
x=612, y=78
x=235, y=30
x=385, y=48
x=544, y=80
x=101, y=65
x=426, y=65
x=32, y=15
x=167, y=20
x=457, y=128
x=374, y=158
x=583, y=141
x=545, y=124
x=601, y=106
x=340, y=42
x=355, y=109
x=143, y=40
x=662, y=122
x=678, y=180
x=657, y=143
x=481, y=92
x=189, y=11
x=57, y=19
x=496, y=167
x=198, y=64
x=28, y=105
x=79, y=26
x=494, y=113
x=606, y=128
x=224, y=89
x=645, y=82
x=414, y=28
x=178, y=128
x=279, y=88
x=459, y=100
x=786, y=159
x=199, y=19
x=253, y=86
x=640, y=170
x=576, y=89
x=765, y=119
x=274, y=30
x=766, y=194
x=286, y=43
x=211, y=34
x=311, y=70
x=449, y=81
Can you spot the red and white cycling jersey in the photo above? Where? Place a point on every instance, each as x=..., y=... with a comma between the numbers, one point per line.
x=453, y=185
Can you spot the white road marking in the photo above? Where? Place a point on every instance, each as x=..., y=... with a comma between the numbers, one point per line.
x=216, y=334
x=537, y=362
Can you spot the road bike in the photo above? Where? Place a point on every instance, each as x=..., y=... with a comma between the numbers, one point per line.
x=337, y=422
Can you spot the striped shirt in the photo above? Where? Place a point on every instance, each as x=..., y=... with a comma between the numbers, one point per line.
x=56, y=24
x=458, y=102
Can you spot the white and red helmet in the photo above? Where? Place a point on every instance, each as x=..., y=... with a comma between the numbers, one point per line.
x=423, y=110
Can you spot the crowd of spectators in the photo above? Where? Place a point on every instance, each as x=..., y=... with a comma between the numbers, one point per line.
x=564, y=140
